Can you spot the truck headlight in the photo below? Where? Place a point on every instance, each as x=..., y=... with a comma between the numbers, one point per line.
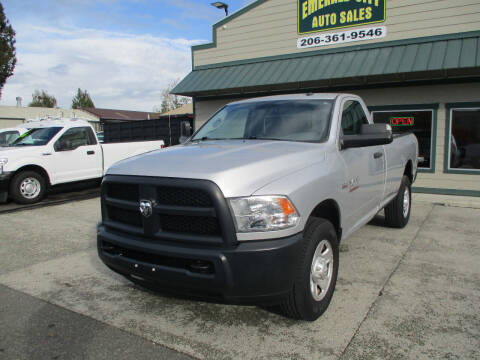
x=263, y=213
x=3, y=161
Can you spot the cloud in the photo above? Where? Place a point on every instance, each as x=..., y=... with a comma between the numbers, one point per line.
x=120, y=71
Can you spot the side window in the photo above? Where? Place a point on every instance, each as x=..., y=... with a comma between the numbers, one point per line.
x=8, y=137
x=353, y=117
x=74, y=138
x=91, y=136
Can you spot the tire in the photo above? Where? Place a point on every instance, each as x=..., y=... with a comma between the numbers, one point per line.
x=27, y=187
x=308, y=300
x=397, y=212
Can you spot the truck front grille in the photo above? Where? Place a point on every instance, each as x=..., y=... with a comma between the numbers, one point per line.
x=201, y=225
x=128, y=192
x=124, y=216
x=169, y=195
x=191, y=211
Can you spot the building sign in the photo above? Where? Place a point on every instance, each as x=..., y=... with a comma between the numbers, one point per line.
x=321, y=15
x=333, y=38
x=402, y=121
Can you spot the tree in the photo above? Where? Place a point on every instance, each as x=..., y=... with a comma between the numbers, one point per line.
x=82, y=100
x=7, y=49
x=42, y=99
x=171, y=101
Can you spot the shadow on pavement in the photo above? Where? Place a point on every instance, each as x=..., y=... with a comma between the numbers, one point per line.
x=58, y=195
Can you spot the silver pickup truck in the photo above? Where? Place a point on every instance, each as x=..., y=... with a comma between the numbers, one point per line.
x=251, y=209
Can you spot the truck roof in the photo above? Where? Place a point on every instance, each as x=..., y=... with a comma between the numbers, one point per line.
x=51, y=122
x=310, y=96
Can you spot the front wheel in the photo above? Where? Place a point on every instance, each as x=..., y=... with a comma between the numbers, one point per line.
x=397, y=212
x=316, y=274
x=27, y=187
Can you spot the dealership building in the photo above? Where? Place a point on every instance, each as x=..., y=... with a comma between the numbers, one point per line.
x=416, y=63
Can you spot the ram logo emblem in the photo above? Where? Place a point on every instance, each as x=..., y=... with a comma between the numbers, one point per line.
x=146, y=208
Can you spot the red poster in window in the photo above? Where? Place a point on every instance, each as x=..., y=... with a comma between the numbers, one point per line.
x=402, y=121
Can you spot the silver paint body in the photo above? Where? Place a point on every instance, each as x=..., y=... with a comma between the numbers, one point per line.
x=308, y=173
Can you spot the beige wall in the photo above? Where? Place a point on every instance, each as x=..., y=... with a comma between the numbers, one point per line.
x=205, y=109
x=271, y=28
x=20, y=114
x=440, y=94
x=7, y=123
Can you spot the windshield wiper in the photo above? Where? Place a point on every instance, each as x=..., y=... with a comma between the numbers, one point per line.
x=206, y=138
x=266, y=138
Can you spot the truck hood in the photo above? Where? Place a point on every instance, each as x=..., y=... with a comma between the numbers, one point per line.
x=238, y=167
x=20, y=151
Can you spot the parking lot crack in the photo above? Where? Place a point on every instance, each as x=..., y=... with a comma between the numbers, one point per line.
x=387, y=280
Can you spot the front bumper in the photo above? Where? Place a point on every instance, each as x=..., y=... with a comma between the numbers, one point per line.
x=4, y=184
x=251, y=272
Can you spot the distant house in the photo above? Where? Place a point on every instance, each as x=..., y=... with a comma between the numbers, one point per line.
x=11, y=116
x=116, y=116
x=186, y=109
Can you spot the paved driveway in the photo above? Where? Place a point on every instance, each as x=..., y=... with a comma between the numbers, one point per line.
x=411, y=293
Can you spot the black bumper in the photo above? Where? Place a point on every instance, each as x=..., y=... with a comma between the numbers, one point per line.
x=251, y=272
x=4, y=184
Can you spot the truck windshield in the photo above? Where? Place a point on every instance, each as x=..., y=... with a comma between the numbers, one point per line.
x=287, y=120
x=8, y=137
x=37, y=137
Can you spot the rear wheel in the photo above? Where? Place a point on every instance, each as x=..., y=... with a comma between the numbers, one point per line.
x=397, y=213
x=316, y=273
x=27, y=187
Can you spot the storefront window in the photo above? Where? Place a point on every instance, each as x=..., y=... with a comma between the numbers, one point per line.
x=417, y=121
x=465, y=139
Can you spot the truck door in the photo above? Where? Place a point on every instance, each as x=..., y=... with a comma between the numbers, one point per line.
x=364, y=181
x=76, y=156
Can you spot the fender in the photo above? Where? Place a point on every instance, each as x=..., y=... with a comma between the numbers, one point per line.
x=23, y=162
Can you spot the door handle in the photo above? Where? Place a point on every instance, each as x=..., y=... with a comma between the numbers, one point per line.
x=377, y=155
x=90, y=152
x=46, y=154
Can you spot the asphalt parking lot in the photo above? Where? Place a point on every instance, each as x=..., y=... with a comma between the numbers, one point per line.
x=411, y=293
x=57, y=195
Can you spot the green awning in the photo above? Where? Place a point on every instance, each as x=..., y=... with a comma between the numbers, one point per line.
x=438, y=57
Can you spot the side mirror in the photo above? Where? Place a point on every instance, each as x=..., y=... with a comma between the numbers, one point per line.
x=370, y=135
x=185, y=131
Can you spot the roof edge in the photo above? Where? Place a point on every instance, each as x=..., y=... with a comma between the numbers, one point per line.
x=225, y=20
x=409, y=41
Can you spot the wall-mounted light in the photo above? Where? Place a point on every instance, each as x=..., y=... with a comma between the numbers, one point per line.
x=221, y=5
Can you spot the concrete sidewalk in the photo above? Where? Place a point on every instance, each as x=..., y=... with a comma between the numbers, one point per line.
x=410, y=293
x=448, y=200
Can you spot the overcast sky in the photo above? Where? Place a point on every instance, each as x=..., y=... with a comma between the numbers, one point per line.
x=124, y=52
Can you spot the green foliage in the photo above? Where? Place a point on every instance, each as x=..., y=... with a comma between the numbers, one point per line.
x=42, y=99
x=82, y=100
x=7, y=49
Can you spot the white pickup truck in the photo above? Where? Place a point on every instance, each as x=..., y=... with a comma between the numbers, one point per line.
x=57, y=151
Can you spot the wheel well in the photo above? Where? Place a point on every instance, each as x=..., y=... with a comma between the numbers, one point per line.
x=330, y=211
x=409, y=171
x=37, y=169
